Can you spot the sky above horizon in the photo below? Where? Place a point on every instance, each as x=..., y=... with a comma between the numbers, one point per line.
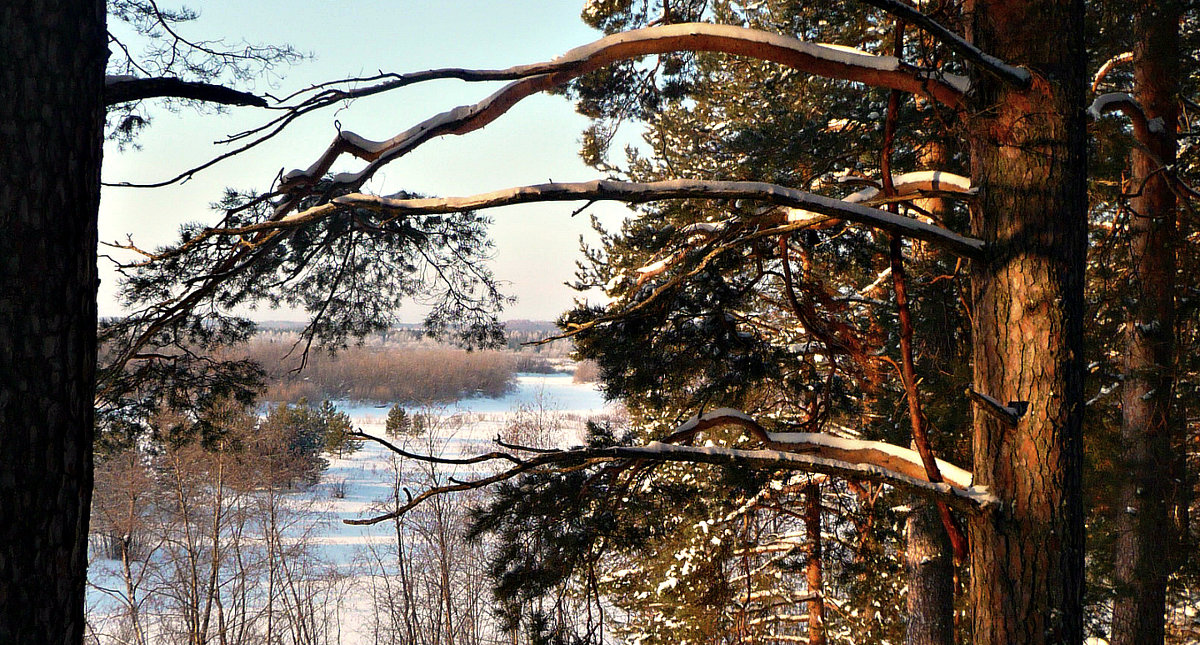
x=536, y=246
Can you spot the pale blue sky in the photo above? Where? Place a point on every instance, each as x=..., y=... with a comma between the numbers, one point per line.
x=536, y=246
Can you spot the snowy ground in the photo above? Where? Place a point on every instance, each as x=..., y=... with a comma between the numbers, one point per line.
x=465, y=428
x=360, y=484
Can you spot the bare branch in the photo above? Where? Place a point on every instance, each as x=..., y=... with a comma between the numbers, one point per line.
x=123, y=89
x=824, y=60
x=806, y=452
x=436, y=460
x=1009, y=415
x=1017, y=76
x=653, y=191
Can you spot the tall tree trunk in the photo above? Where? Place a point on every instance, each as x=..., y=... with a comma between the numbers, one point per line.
x=813, y=570
x=1028, y=158
x=51, y=129
x=928, y=557
x=1147, y=424
x=930, y=570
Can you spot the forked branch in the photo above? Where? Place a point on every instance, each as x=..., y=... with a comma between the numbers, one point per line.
x=823, y=60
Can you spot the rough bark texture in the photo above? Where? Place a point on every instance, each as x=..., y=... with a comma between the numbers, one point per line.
x=930, y=570
x=928, y=559
x=813, y=571
x=1028, y=161
x=51, y=120
x=1146, y=481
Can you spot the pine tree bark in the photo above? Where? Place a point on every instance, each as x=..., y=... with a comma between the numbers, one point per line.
x=1146, y=486
x=928, y=556
x=1028, y=158
x=930, y=569
x=813, y=571
x=51, y=130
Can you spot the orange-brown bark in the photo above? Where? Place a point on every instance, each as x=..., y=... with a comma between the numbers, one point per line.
x=1028, y=157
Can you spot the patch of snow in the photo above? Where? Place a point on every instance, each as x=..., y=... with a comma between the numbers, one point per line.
x=1108, y=102
x=951, y=473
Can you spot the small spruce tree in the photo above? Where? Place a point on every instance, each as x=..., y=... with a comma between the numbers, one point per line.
x=399, y=423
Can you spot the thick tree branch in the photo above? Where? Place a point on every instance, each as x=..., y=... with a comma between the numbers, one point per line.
x=806, y=452
x=123, y=89
x=653, y=191
x=1143, y=128
x=1016, y=76
x=824, y=60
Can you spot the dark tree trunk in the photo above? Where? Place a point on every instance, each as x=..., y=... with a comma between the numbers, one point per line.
x=51, y=129
x=1028, y=158
x=930, y=570
x=1146, y=487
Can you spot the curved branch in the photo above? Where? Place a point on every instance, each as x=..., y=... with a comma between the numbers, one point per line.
x=1143, y=128
x=123, y=89
x=920, y=183
x=824, y=60
x=645, y=192
x=805, y=452
x=1124, y=57
x=1017, y=76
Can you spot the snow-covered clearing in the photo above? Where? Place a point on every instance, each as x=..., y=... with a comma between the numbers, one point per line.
x=342, y=567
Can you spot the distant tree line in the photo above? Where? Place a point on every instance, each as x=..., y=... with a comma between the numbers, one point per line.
x=420, y=375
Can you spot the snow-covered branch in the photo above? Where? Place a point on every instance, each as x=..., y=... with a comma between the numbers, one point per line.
x=901, y=460
x=1125, y=57
x=123, y=89
x=1143, y=128
x=806, y=452
x=654, y=191
x=1017, y=76
x=920, y=183
x=824, y=60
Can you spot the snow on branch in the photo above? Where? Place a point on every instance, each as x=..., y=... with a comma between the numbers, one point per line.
x=805, y=452
x=1143, y=128
x=1018, y=76
x=653, y=191
x=123, y=89
x=901, y=460
x=824, y=60
x=1125, y=57
x=918, y=184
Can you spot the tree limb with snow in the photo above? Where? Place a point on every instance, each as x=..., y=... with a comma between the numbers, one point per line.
x=799, y=451
x=818, y=59
x=1017, y=76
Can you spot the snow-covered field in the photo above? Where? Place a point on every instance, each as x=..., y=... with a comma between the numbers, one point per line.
x=465, y=428
x=359, y=485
